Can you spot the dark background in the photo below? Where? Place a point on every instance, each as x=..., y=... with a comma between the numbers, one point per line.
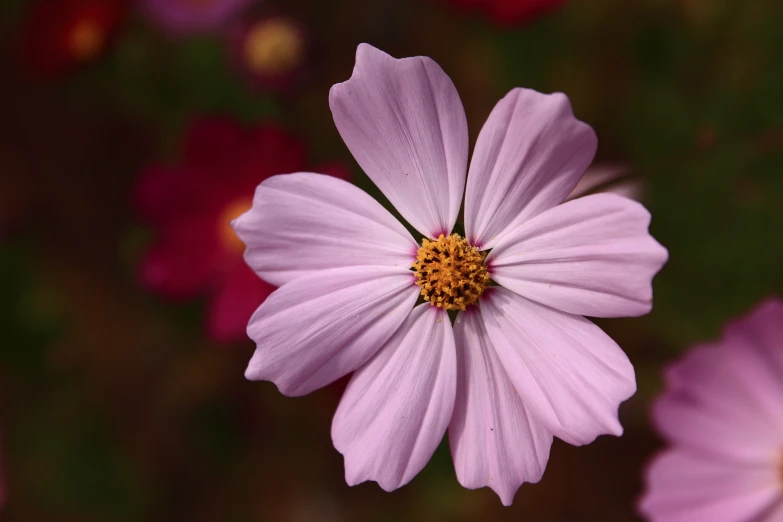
x=114, y=406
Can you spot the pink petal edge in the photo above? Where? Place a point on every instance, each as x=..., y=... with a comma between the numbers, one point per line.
x=403, y=121
x=303, y=223
x=591, y=256
x=495, y=440
x=396, y=408
x=685, y=487
x=529, y=156
x=571, y=375
x=317, y=328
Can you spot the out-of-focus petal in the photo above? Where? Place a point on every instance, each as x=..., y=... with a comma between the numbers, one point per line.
x=711, y=380
x=319, y=327
x=529, y=156
x=510, y=12
x=571, y=375
x=726, y=398
x=211, y=143
x=494, y=440
x=335, y=169
x=695, y=426
x=762, y=332
x=685, y=487
x=183, y=261
x=397, y=406
x=270, y=150
x=590, y=256
x=165, y=193
x=233, y=303
x=302, y=223
x=404, y=123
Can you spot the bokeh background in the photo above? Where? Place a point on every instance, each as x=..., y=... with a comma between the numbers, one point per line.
x=122, y=396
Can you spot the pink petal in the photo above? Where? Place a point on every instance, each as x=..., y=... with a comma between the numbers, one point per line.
x=773, y=515
x=571, y=375
x=686, y=487
x=319, y=327
x=715, y=433
x=302, y=223
x=762, y=331
x=529, y=156
x=404, y=123
x=727, y=399
x=495, y=441
x=396, y=408
x=590, y=256
x=234, y=302
x=710, y=379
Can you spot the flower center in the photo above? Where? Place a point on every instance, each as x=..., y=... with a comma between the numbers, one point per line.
x=86, y=40
x=228, y=237
x=450, y=272
x=273, y=46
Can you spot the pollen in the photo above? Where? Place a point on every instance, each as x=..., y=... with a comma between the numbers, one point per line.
x=450, y=272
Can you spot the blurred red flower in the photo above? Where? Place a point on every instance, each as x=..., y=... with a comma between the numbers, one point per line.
x=58, y=36
x=191, y=203
x=508, y=12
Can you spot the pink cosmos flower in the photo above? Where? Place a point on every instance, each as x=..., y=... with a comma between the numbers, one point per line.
x=520, y=364
x=722, y=413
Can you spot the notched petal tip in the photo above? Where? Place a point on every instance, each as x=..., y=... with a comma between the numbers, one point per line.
x=364, y=53
x=317, y=328
x=495, y=440
x=573, y=376
x=591, y=256
x=251, y=373
x=393, y=414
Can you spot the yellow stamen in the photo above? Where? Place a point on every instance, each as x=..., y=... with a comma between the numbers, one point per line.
x=273, y=46
x=230, y=212
x=450, y=272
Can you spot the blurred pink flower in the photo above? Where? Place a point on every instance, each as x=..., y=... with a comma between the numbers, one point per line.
x=722, y=413
x=269, y=51
x=509, y=12
x=518, y=366
x=191, y=204
x=192, y=16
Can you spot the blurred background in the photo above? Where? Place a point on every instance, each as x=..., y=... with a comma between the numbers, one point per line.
x=132, y=131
